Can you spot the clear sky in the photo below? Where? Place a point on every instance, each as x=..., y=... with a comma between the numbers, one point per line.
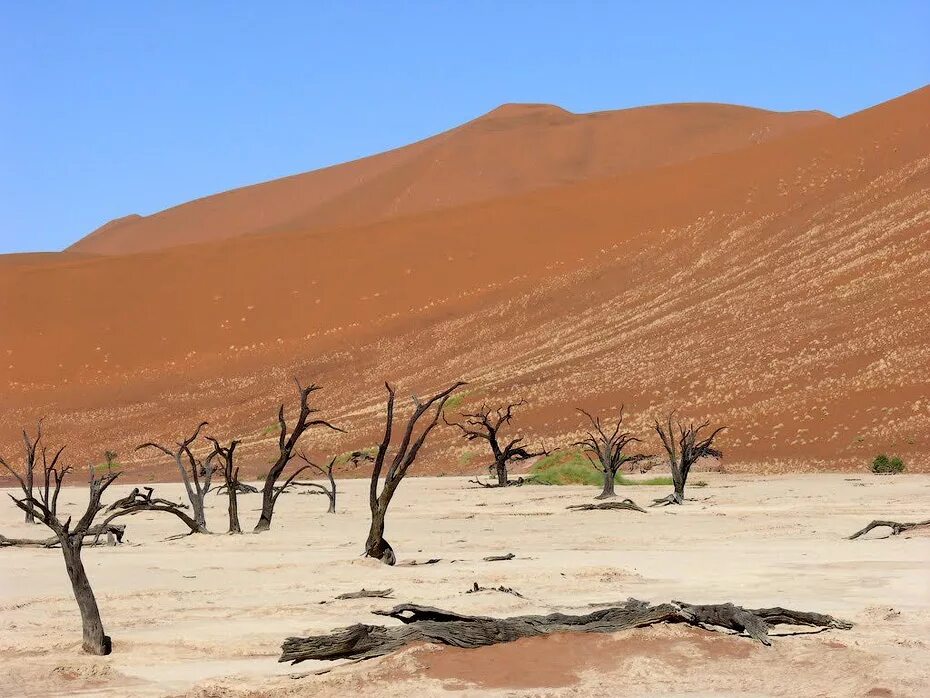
x=111, y=108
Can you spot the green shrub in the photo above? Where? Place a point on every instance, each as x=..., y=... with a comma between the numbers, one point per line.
x=883, y=464
x=454, y=402
x=565, y=468
x=572, y=467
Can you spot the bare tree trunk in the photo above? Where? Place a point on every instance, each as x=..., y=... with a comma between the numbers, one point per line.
x=30, y=511
x=501, y=468
x=608, y=492
x=233, y=510
x=376, y=546
x=95, y=640
x=332, y=502
x=678, y=480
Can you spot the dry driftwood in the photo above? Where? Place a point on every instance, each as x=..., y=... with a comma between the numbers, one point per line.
x=625, y=504
x=896, y=528
x=504, y=590
x=433, y=625
x=499, y=558
x=366, y=594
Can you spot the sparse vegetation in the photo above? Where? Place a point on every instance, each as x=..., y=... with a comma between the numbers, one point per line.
x=570, y=467
x=883, y=465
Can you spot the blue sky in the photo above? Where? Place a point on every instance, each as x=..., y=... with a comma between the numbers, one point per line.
x=111, y=108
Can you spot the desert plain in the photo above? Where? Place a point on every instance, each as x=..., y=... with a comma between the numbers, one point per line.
x=205, y=615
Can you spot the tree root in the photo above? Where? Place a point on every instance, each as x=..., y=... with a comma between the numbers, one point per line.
x=665, y=501
x=625, y=504
x=896, y=528
x=433, y=625
x=416, y=563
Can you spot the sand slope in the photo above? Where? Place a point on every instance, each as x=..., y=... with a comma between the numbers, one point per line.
x=780, y=288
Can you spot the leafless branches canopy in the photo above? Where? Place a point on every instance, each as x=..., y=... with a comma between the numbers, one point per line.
x=405, y=453
x=605, y=450
x=486, y=424
x=287, y=444
x=326, y=472
x=684, y=446
x=195, y=474
x=32, y=450
x=232, y=486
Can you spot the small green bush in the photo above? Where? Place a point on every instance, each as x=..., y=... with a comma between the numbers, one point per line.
x=573, y=468
x=883, y=464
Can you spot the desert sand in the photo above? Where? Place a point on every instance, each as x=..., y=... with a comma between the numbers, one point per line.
x=772, y=279
x=205, y=615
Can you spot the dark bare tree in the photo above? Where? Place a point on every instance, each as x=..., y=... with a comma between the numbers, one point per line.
x=486, y=424
x=287, y=443
x=326, y=472
x=232, y=486
x=405, y=454
x=44, y=504
x=684, y=446
x=32, y=448
x=605, y=450
x=196, y=474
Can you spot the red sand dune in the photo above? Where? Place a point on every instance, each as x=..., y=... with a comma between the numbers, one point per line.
x=780, y=287
x=515, y=148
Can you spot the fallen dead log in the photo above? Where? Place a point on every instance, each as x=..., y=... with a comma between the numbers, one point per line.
x=625, y=504
x=433, y=625
x=366, y=594
x=499, y=558
x=504, y=590
x=896, y=528
x=113, y=532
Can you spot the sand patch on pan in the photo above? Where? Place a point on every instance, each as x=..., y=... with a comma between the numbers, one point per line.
x=560, y=660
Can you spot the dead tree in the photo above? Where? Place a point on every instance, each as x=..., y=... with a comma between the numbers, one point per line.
x=32, y=449
x=232, y=486
x=486, y=424
x=195, y=474
x=317, y=487
x=433, y=625
x=605, y=451
x=287, y=443
x=684, y=451
x=44, y=505
x=405, y=454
